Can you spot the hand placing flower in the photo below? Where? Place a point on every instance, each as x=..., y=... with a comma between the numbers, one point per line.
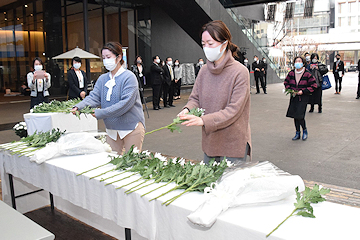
x=191, y=120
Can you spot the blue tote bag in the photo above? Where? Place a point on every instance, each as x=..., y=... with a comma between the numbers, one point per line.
x=325, y=83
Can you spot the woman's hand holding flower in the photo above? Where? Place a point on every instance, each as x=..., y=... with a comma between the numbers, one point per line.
x=192, y=120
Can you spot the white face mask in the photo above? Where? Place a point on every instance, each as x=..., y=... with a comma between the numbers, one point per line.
x=38, y=67
x=314, y=60
x=255, y=59
x=157, y=61
x=138, y=61
x=110, y=63
x=214, y=54
x=77, y=65
x=307, y=58
x=246, y=61
x=264, y=60
x=176, y=64
x=169, y=63
x=201, y=62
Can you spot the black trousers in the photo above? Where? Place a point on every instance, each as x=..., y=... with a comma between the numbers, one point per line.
x=156, y=95
x=358, y=90
x=338, y=81
x=168, y=94
x=39, y=99
x=298, y=123
x=177, y=88
x=261, y=79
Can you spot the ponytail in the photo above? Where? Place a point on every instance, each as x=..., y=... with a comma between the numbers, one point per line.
x=233, y=48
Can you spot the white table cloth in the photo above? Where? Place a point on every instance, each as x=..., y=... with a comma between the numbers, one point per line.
x=43, y=122
x=107, y=209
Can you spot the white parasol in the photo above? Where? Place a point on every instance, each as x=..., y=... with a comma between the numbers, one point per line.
x=76, y=52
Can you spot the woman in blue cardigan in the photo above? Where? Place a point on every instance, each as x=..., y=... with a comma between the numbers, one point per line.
x=117, y=95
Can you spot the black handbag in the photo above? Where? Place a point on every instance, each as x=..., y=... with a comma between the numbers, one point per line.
x=323, y=69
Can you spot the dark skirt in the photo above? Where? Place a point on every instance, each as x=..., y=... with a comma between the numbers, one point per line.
x=297, y=107
x=316, y=97
x=39, y=99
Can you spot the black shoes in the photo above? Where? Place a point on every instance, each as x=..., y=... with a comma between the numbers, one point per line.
x=172, y=105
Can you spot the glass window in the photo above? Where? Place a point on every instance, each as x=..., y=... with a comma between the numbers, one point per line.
x=352, y=21
x=352, y=7
x=342, y=8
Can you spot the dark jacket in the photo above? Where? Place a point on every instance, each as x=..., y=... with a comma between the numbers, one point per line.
x=260, y=66
x=166, y=75
x=306, y=84
x=156, y=74
x=340, y=67
x=74, y=89
x=136, y=71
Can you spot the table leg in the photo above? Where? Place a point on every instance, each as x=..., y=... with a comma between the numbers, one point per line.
x=12, y=192
x=127, y=234
x=51, y=202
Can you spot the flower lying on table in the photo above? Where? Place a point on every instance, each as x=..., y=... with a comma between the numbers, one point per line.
x=154, y=168
x=61, y=107
x=34, y=142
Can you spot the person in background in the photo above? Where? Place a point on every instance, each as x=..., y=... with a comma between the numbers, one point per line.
x=138, y=69
x=303, y=83
x=308, y=60
x=265, y=71
x=77, y=80
x=39, y=81
x=24, y=89
x=168, y=84
x=178, y=76
x=198, y=66
x=246, y=64
x=117, y=93
x=316, y=97
x=225, y=124
x=258, y=68
x=338, y=71
x=156, y=72
x=358, y=90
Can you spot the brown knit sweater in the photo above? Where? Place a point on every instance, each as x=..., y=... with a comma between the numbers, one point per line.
x=224, y=92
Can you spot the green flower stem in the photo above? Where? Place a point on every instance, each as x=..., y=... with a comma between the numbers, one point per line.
x=121, y=179
x=129, y=183
x=176, y=197
x=112, y=176
x=92, y=169
x=131, y=189
x=160, y=128
x=155, y=188
x=103, y=173
x=30, y=151
x=174, y=188
x=282, y=222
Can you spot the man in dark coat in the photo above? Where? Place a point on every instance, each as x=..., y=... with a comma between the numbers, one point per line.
x=338, y=71
x=258, y=68
x=156, y=77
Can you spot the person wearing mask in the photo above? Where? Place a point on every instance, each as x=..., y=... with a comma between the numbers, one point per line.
x=39, y=81
x=358, y=90
x=178, y=76
x=258, y=68
x=308, y=60
x=225, y=124
x=198, y=66
x=265, y=71
x=117, y=95
x=301, y=81
x=168, y=84
x=156, y=72
x=138, y=69
x=246, y=64
x=77, y=80
x=317, y=70
x=338, y=71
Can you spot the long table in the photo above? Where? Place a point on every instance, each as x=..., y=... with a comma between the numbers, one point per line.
x=111, y=210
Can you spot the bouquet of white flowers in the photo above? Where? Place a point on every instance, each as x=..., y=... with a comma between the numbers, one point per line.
x=20, y=129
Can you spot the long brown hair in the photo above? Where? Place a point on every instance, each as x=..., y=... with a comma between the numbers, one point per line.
x=220, y=33
x=115, y=48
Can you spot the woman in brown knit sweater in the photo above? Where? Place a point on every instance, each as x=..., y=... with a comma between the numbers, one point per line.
x=222, y=89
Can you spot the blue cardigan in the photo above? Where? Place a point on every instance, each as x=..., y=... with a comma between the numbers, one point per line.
x=124, y=110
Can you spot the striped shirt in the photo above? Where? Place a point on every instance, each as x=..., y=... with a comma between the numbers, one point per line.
x=307, y=82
